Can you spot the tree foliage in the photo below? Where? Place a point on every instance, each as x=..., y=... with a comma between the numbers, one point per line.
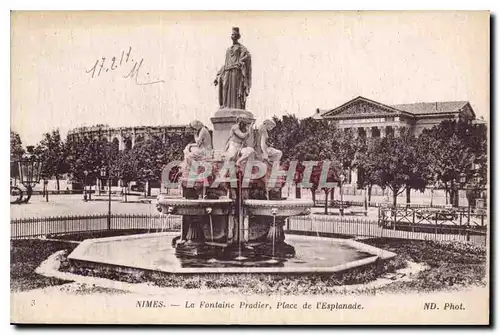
x=394, y=163
x=91, y=155
x=16, y=152
x=154, y=153
x=51, y=151
x=456, y=153
x=16, y=146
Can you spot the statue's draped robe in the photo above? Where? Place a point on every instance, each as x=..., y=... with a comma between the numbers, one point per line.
x=235, y=77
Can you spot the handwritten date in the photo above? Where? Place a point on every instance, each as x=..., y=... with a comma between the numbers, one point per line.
x=103, y=65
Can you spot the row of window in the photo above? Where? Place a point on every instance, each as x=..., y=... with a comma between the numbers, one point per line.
x=375, y=131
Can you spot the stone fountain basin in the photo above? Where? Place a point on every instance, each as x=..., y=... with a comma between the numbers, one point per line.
x=279, y=208
x=195, y=206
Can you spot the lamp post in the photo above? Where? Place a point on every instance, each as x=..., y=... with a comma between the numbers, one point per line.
x=342, y=178
x=105, y=175
x=85, y=173
x=29, y=171
x=463, y=180
x=46, y=188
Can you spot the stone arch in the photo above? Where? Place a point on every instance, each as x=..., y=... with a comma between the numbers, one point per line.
x=139, y=138
x=115, y=143
x=127, y=141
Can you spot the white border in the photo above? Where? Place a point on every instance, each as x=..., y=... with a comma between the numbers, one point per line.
x=149, y=5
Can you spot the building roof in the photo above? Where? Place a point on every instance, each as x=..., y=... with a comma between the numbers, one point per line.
x=412, y=109
x=432, y=107
x=338, y=110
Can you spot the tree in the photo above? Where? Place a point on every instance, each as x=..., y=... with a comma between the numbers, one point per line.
x=367, y=168
x=91, y=155
x=154, y=153
x=394, y=162
x=52, y=153
x=314, y=140
x=124, y=167
x=16, y=153
x=332, y=175
x=285, y=133
x=457, y=155
x=345, y=149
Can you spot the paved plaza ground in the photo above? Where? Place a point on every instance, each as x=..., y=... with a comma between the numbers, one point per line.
x=73, y=204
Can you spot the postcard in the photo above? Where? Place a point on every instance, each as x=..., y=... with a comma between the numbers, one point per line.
x=250, y=168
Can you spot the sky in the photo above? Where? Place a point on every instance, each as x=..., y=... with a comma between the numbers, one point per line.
x=300, y=61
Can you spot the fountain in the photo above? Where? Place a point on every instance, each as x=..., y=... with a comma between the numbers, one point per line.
x=232, y=210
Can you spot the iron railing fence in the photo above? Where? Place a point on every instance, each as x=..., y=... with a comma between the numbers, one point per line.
x=32, y=227
x=434, y=216
x=311, y=225
x=362, y=227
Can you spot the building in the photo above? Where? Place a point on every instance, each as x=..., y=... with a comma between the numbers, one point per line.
x=370, y=118
x=125, y=137
x=374, y=119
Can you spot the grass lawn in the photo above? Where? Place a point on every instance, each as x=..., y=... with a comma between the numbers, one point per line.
x=451, y=266
x=26, y=256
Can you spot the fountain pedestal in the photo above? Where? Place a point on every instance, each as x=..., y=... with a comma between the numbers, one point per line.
x=223, y=120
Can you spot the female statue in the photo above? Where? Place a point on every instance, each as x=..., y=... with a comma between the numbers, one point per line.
x=235, y=77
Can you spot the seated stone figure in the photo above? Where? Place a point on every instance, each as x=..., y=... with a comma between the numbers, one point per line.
x=262, y=148
x=236, y=148
x=201, y=148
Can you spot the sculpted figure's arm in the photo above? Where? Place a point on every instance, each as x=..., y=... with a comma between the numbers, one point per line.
x=238, y=133
x=219, y=73
x=200, y=140
x=245, y=55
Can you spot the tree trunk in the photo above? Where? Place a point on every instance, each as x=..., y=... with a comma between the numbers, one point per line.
x=297, y=191
x=370, y=193
x=408, y=195
x=453, y=195
x=332, y=195
x=326, y=201
x=148, y=187
x=313, y=193
x=365, y=199
x=57, y=184
x=456, y=198
x=394, y=197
